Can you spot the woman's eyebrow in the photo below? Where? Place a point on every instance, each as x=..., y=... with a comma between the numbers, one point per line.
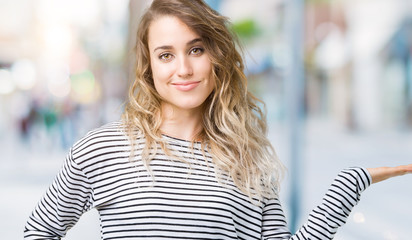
x=194, y=41
x=165, y=47
x=168, y=47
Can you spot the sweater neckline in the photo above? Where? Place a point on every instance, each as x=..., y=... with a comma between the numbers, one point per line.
x=179, y=139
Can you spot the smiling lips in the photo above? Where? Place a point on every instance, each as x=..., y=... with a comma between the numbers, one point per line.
x=186, y=86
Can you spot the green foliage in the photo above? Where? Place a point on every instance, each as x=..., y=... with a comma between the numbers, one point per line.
x=246, y=28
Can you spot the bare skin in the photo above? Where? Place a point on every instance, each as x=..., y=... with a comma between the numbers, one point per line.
x=382, y=173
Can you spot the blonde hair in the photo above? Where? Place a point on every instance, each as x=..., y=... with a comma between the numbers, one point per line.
x=234, y=126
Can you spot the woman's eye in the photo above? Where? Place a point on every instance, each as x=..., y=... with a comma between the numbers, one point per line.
x=197, y=51
x=165, y=56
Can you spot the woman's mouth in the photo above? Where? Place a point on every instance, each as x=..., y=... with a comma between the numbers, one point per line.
x=186, y=86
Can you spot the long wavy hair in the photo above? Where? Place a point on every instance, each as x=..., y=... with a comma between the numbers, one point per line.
x=234, y=126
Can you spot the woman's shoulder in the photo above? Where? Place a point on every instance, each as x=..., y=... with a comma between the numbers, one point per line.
x=110, y=137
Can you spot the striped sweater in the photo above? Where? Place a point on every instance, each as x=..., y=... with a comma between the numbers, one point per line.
x=180, y=200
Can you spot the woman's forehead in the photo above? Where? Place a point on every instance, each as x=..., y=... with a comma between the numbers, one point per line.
x=169, y=30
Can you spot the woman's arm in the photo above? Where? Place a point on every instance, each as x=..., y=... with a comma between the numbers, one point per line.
x=65, y=201
x=382, y=173
x=324, y=220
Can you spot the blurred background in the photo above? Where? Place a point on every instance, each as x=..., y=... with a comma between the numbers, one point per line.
x=336, y=78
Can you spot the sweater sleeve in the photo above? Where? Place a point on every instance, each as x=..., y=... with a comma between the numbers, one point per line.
x=69, y=196
x=324, y=220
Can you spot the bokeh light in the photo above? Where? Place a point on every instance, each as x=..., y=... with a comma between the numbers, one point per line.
x=85, y=88
x=358, y=217
x=7, y=85
x=24, y=74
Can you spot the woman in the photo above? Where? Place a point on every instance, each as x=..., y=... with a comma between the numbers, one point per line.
x=190, y=159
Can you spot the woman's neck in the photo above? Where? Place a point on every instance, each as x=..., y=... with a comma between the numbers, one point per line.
x=181, y=123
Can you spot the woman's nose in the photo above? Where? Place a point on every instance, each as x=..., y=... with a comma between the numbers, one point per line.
x=184, y=69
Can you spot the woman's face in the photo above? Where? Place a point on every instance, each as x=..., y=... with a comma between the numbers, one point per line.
x=181, y=68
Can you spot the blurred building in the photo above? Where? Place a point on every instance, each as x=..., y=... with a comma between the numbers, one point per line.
x=357, y=62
